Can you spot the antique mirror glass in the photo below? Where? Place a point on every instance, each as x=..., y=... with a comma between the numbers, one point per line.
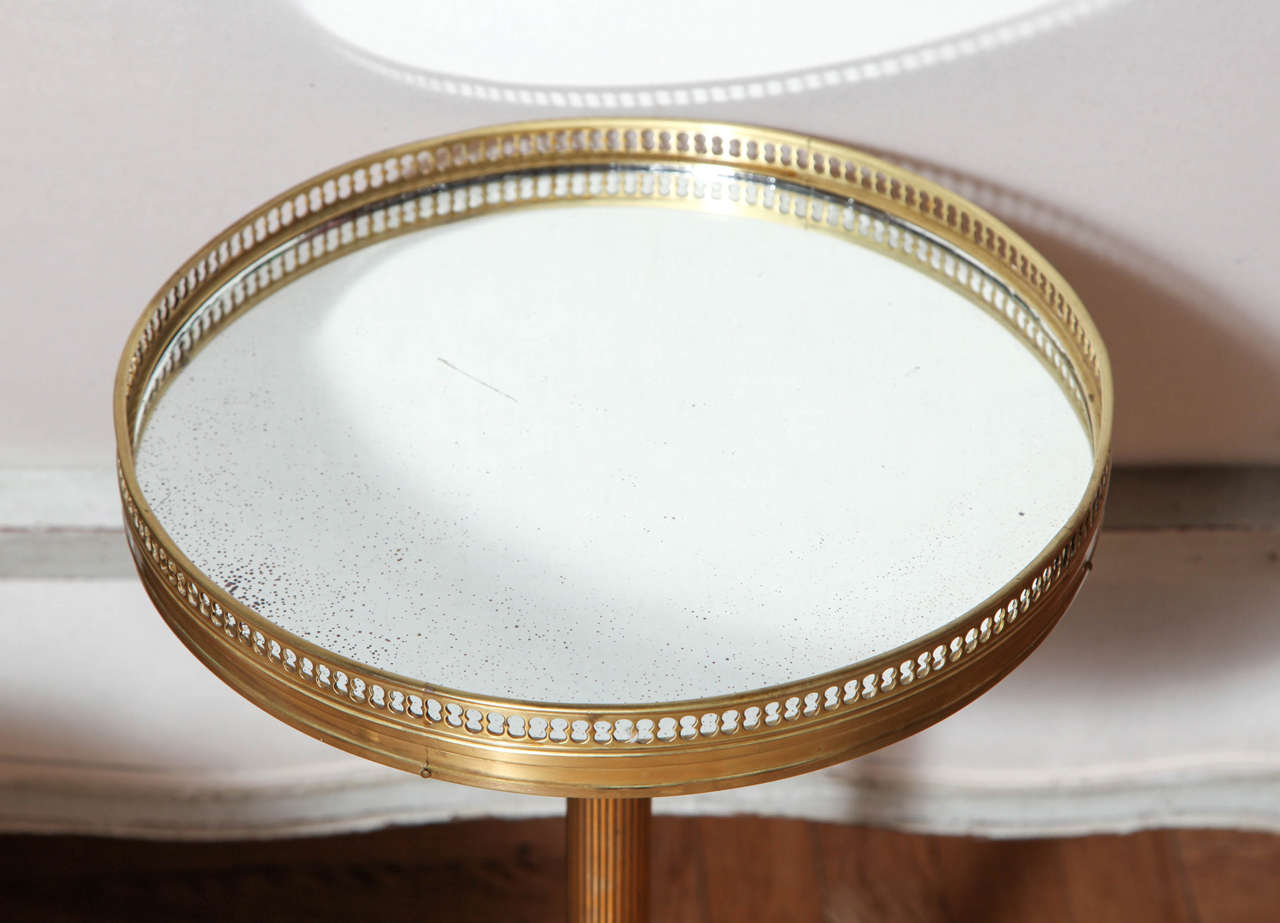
x=613, y=453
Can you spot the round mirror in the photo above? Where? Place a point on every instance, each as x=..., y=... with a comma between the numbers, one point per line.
x=613, y=454
x=649, y=440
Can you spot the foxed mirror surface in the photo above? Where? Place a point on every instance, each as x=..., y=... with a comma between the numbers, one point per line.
x=611, y=454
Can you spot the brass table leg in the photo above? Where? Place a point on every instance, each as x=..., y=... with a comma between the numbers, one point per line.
x=608, y=859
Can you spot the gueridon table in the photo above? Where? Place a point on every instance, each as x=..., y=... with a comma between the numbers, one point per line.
x=753, y=455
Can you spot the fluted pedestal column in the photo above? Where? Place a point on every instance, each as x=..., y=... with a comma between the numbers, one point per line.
x=608, y=859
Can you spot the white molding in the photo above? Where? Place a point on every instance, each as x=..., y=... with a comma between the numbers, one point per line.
x=59, y=498
x=65, y=523
x=301, y=803
x=1152, y=704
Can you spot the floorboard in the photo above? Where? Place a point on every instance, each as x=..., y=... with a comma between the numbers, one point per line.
x=705, y=870
x=1231, y=877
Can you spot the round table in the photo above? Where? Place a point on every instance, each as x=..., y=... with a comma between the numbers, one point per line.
x=667, y=489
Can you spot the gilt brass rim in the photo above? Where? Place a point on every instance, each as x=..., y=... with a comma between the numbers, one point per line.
x=639, y=750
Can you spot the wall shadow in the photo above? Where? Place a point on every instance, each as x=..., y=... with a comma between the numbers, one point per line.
x=1182, y=365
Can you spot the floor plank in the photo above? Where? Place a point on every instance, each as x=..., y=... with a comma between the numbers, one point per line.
x=1124, y=878
x=678, y=871
x=759, y=868
x=477, y=871
x=877, y=875
x=705, y=870
x=1231, y=877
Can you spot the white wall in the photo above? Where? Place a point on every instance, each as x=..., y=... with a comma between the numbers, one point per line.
x=1133, y=141
x=1133, y=144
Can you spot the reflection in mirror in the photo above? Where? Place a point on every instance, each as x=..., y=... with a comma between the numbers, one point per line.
x=606, y=453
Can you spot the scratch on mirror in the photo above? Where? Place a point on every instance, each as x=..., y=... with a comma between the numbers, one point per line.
x=479, y=381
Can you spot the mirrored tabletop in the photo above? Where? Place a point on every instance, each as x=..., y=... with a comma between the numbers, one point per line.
x=608, y=454
x=613, y=458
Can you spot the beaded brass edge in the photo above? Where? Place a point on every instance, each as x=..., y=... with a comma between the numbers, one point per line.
x=622, y=750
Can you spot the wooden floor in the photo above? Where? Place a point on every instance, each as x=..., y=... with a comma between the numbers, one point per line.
x=705, y=869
